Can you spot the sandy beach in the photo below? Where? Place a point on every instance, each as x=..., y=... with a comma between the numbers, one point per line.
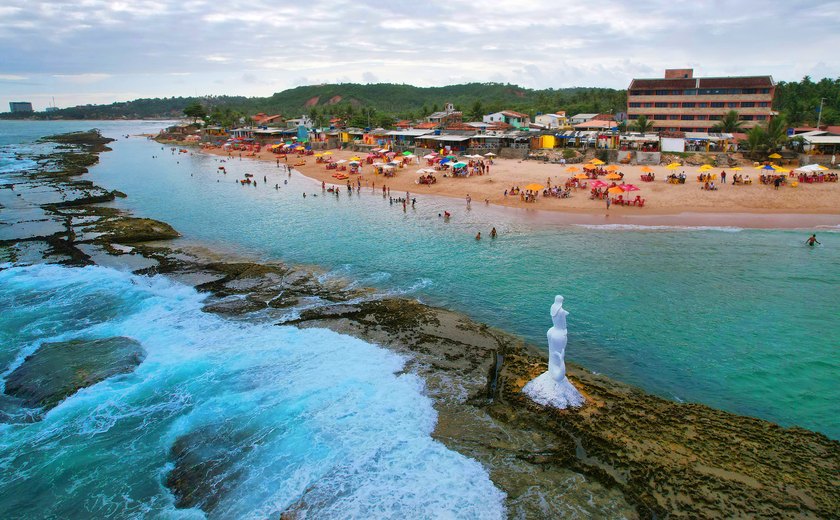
x=754, y=205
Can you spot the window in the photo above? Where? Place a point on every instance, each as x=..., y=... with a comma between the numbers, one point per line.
x=702, y=117
x=689, y=105
x=732, y=104
x=647, y=105
x=659, y=117
x=716, y=104
x=760, y=118
x=662, y=92
x=747, y=104
x=702, y=105
x=686, y=117
x=687, y=129
x=715, y=117
x=764, y=104
x=673, y=117
x=660, y=105
x=748, y=91
x=633, y=116
x=746, y=118
x=675, y=105
x=765, y=91
x=635, y=105
x=690, y=92
x=635, y=92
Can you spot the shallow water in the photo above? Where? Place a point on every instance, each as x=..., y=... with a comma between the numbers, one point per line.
x=290, y=413
x=743, y=320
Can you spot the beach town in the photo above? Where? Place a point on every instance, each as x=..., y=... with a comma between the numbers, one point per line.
x=666, y=155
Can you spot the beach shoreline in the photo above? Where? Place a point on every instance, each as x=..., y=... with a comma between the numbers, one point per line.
x=754, y=206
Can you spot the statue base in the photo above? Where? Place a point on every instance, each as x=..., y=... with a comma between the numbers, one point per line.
x=548, y=392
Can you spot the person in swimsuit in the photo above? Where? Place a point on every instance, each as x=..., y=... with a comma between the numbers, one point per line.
x=812, y=240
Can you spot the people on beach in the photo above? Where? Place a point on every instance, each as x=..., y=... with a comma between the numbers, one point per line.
x=493, y=233
x=812, y=240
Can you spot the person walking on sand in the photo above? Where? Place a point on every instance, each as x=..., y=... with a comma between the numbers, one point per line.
x=469, y=199
x=607, y=198
x=812, y=240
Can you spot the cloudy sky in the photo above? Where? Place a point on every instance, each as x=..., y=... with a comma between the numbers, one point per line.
x=99, y=51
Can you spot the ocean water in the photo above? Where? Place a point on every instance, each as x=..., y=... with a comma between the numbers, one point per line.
x=743, y=320
x=291, y=413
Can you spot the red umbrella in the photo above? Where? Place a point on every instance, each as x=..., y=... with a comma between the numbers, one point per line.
x=598, y=184
x=629, y=187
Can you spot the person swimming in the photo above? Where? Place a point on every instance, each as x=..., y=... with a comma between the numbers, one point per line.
x=812, y=240
x=478, y=236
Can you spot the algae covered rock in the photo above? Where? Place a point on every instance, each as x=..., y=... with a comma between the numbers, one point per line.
x=58, y=370
x=129, y=230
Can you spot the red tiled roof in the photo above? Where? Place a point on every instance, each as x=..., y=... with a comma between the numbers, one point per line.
x=426, y=126
x=499, y=125
x=460, y=126
x=511, y=113
x=687, y=83
x=403, y=124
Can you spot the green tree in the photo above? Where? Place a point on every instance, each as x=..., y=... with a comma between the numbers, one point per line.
x=622, y=127
x=730, y=123
x=476, y=111
x=757, y=141
x=196, y=111
x=776, y=134
x=643, y=124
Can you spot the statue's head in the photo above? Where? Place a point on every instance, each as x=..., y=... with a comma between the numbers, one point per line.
x=558, y=305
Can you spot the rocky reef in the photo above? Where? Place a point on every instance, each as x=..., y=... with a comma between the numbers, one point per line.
x=58, y=370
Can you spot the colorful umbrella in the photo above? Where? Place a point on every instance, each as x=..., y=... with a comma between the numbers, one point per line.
x=459, y=165
x=489, y=154
x=612, y=168
x=598, y=184
x=597, y=162
x=613, y=176
x=534, y=187
x=674, y=166
x=647, y=169
x=572, y=169
x=629, y=187
x=768, y=167
x=615, y=190
x=407, y=153
x=706, y=167
x=775, y=156
x=581, y=176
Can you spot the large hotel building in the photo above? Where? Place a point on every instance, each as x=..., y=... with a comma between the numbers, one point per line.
x=681, y=102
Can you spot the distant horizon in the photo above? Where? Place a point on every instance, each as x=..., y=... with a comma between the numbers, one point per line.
x=108, y=52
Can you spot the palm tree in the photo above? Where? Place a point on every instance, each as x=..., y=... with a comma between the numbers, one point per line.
x=776, y=134
x=756, y=141
x=730, y=123
x=622, y=127
x=643, y=124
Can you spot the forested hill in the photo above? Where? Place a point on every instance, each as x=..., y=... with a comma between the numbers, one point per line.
x=384, y=98
x=798, y=102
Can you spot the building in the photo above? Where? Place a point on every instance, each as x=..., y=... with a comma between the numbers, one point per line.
x=445, y=117
x=515, y=119
x=581, y=118
x=303, y=120
x=556, y=120
x=20, y=107
x=681, y=102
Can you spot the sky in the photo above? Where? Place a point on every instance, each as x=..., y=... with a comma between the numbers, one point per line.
x=95, y=51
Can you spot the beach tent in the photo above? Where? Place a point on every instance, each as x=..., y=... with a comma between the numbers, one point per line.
x=811, y=168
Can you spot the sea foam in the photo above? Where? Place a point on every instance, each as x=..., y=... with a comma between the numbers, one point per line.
x=299, y=418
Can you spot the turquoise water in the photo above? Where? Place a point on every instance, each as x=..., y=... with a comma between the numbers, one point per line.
x=743, y=320
x=287, y=413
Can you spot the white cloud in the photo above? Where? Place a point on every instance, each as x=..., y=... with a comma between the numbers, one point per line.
x=12, y=77
x=82, y=79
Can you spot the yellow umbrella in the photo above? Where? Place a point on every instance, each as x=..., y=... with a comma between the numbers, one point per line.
x=355, y=158
x=737, y=169
x=597, y=162
x=581, y=176
x=534, y=187
x=572, y=169
x=706, y=167
x=318, y=154
x=777, y=167
x=775, y=156
x=782, y=170
x=674, y=166
x=612, y=168
x=647, y=169
x=327, y=153
x=613, y=176
x=823, y=168
x=615, y=190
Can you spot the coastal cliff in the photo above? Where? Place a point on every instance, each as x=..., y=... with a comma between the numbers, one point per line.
x=628, y=453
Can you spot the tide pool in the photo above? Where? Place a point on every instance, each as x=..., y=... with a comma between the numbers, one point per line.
x=286, y=416
x=743, y=320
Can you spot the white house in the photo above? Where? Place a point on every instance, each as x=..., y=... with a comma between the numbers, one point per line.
x=556, y=120
x=582, y=118
x=303, y=120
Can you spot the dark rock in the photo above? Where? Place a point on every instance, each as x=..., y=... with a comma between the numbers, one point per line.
x=58, y=370
x=127, y=230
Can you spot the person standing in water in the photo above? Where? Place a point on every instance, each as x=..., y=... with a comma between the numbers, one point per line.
x=478, y=236
x=812, y=240
x=493, y=233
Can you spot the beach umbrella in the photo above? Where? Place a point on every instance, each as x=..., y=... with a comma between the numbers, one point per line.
x=572, y=169
x=613, y=176
x=629, y=187
x=598, y=184
x=355, y=158
x=534, y=187
x=737, y=169
x=459, y=165
x=782, y=170
x=768, y=167
x=340, y=161
x=673, y=166
x=407, y=153
x=354, y=162
x=489, y=154
x=706, y=167
x=327, y=153
x=597, y=162
x=774, y=156
x=647, y=169
x=581, y=176
x=615, y=190
x=319, y=155
x=430, y=156
x=612, y=168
